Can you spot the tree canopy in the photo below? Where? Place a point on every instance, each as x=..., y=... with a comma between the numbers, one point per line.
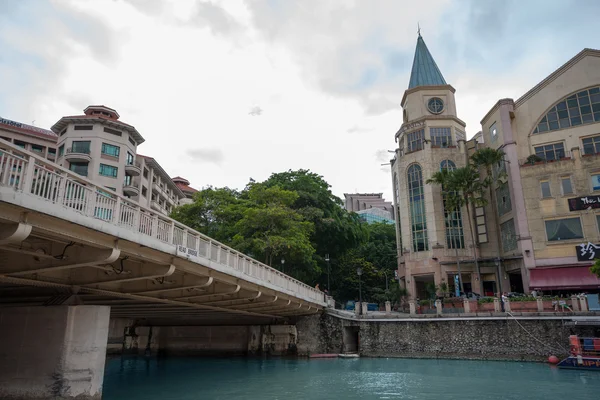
x=294, y=216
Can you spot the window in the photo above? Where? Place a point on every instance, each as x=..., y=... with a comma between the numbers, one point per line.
x=417, y=208
x=508, y=235
x=503, y=199
x=112, y=131
x=127, y=180
x=144, y=191
x=20, y=144
x=36, y=148
x=595, y=178
x=440, y=137
x=564, y=229
x=565, y=183
x=396, y=189
x=550, y=152
x=493, y=133
x=453, y=218
x=545, y=185
x=51, y=151
x=591, y=145
x=129, y=158
x=108, y=170
x=61, y=150
x=415, y=140
x=132, y=141
x=83, y=127
x=80, y=168
x=435, y=105
x=110, y=150
x=578, y=109
x=80, y=147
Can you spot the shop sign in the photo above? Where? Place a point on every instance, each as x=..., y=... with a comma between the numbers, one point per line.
x=583, y=203
x=587, y=251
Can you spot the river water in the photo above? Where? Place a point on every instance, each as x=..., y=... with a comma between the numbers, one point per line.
x=346, y=379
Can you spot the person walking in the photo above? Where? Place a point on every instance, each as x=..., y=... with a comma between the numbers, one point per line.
x=504, y=299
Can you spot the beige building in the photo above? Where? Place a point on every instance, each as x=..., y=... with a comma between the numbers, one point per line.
x=29, y=137
x=547, y=231
x=365, y=201
x=101, y=147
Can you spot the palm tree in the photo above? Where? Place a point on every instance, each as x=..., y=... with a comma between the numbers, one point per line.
x=461, y=188
x=487, y=158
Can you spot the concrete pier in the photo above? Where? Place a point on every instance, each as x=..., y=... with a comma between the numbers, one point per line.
x=53, y=352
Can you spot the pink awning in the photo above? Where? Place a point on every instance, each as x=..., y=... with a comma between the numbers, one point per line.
x=563, y=278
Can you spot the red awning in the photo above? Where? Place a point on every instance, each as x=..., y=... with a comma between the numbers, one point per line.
x=563, y=278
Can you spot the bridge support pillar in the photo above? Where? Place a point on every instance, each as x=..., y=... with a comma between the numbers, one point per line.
x=53, y=352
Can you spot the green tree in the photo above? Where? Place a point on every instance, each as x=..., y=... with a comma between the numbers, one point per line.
x=488, y=158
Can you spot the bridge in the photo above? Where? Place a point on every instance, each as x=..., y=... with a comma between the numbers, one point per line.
x=64, y=241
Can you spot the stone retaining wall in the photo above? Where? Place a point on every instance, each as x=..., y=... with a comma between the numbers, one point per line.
x=438, y=338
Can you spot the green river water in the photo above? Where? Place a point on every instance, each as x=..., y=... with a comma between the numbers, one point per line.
x=366, y=378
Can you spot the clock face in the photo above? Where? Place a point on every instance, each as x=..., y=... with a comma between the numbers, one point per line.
x=435, y=105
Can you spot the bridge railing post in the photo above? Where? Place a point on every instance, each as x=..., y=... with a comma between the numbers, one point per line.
x=116, y=217
x=27, y=175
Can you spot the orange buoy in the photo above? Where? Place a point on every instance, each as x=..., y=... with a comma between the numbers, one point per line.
x=553, y=360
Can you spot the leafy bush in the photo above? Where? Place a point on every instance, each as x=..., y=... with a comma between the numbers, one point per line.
x=484, y=300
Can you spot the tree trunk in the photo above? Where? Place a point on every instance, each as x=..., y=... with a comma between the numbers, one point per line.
x=475, y=255
x=460, y=281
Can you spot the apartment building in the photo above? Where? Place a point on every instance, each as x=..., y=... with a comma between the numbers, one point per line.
x=103, y=148
x=364, y=201
x=184, y=185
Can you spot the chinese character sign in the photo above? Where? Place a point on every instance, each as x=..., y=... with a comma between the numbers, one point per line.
x=587, y=251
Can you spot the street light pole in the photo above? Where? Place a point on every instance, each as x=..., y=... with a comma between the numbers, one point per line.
x=328, y=273
x=359, y=273
x=282, y=263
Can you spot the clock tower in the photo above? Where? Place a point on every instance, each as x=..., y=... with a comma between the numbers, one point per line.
x=431, y=137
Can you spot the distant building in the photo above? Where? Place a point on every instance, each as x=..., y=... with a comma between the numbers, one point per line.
x=376, y=215
x=364, y=201
x=101, y=147
x=184, y=185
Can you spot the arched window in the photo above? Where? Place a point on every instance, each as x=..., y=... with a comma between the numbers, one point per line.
x=455, y=238
x=447, y=164
x=416, y=199
x=578, y=109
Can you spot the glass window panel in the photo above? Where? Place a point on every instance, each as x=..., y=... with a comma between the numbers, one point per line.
x=584, y=100
x=564, y=123
x=553, y=125
x=543, y=127
x=567, y=188
x=574, y=112
x=564, y=229
x=508, y=235
x=587, y=118
x=582, y=94
x=546, y=189
x=586, y=110
x=536, y=130
x=575, y=121
x=597, y=116
x=552, y=116
x=561, y=106
x=572, y=102
x=596, y=107
x=417, y=208
x=595, y=98
x=595, y=179
x=563, y=114
x=594, y=90
x=544, y=119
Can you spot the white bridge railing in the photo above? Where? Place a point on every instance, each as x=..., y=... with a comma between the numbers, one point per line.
x=32, y=175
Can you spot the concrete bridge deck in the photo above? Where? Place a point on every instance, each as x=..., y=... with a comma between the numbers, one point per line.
x=64, y=240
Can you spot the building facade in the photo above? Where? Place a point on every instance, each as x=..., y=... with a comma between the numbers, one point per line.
x=365, y=201
x=101, y=147
x=543, y=230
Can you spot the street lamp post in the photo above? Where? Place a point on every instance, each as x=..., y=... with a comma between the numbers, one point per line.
x=282, y=263
x=359, y=272
x=328, y=273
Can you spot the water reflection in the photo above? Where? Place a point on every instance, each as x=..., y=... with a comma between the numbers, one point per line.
x=231, y=379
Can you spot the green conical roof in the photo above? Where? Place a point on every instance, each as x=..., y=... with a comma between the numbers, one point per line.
x=425, y=71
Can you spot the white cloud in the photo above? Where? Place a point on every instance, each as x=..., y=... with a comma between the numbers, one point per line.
x=187, y=73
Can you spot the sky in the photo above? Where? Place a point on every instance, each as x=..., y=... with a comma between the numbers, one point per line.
x=225, y=91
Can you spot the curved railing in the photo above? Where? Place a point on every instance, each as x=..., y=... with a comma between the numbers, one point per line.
x=26, y=172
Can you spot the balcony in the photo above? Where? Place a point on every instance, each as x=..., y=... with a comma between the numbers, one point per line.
x=537, y=160
x=78, y=154
x=131, y=189
x=134, y=169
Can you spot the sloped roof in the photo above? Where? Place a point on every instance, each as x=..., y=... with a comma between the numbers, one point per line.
x=425, y=71
x=28, y=129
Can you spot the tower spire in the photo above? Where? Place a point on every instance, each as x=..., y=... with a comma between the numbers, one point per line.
x=425, y=71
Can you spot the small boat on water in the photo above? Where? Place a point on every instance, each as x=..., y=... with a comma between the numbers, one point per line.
x=585, y=354
x=349, y=355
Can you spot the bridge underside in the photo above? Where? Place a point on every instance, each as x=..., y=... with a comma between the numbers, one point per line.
x=47, y=261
